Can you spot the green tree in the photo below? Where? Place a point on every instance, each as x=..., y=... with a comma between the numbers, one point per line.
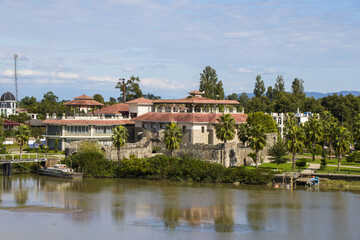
x=259, y=87
x=132, y=89
x=265, y=120
x=356, y=132
x=244, y=100
x=294, y=139
x=242, y=133
x=97, y=97
x=257, y=140
x=270, y=93
x=278, y=152
x=225, y=128
x=173, y=137
x=314, y=134
x=279, y=86
x=329, y=124
x=22, y=135
x=119, y=138
x=341, y=142
x=210, y=84
x=297, y=86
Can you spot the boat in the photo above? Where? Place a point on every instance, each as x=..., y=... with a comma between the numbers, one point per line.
x=314, y=181
x=60, y=170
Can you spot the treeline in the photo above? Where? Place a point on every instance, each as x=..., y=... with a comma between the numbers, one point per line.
x=277, y=100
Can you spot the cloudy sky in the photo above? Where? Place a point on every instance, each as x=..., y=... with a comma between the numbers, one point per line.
x=72, y=47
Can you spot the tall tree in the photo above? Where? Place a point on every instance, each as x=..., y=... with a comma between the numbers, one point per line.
x=356, y=132
x=225, y=128
x=210, y=84
x=314, y=134
x=259, y=88
x=329, y=124
x=297, y=86
x=257, y=140
x=22, y=135
x=341, y=142
x=119, y=138
x=279, y=86
x=172, y=137
x=132, y=89
x=270, y=93
x=294, y=139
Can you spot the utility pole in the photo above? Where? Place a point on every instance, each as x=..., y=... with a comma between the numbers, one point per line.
x=16, y=87
x=123, y=79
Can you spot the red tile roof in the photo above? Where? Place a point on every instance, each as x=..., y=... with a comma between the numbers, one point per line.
x=140, y=100
x=115, y=109
x=83, y=103
x=187, y=117
x=83, y=97
x=196, y=92
x=196, y=100
x=88, y=122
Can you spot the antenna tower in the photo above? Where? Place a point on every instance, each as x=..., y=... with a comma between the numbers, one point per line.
x=16, y=87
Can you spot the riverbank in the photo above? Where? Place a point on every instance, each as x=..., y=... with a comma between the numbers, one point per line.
x=342, y=185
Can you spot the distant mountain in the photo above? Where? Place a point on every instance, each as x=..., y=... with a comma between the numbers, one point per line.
x=318, y=95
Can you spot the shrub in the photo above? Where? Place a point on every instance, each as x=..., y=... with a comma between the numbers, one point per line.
x=351, y=157
x=301, y=163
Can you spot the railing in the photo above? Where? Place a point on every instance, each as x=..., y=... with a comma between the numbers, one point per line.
x=27, y=157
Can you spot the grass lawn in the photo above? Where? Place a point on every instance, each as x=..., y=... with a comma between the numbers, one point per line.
x=343, y=170
x=272, y=166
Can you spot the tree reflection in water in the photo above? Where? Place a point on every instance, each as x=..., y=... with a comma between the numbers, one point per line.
x=21, y=195
x=171, y=218
x=224, y=221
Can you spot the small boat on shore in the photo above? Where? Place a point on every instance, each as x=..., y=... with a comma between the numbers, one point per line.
x=60, y=170
x=314, y=181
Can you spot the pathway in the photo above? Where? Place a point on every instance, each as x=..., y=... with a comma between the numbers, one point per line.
x=311, y=169
x=345, y=166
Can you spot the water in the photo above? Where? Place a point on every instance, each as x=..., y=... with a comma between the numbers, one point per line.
x=52, y=208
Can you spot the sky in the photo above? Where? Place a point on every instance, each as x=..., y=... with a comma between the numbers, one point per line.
x=75, y=47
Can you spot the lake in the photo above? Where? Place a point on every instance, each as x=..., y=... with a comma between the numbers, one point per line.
x=38, y=207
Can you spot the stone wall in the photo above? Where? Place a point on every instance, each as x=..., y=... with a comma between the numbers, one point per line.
x=229, y=154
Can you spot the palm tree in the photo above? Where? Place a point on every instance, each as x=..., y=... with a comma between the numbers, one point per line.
x=257, y=140
x=314, y=133
x=341, y=142
x=173, y=137
x=329, y=125
x=294, y=138
x=225, y=129
x=22, y=135
x=119, y=138
x=242, y=133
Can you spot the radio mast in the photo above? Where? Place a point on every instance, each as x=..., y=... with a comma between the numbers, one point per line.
x=16, y=87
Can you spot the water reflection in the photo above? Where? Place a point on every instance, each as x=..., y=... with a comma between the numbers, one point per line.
x=120, y=205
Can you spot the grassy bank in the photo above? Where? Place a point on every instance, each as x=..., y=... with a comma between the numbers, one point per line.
x=342, y=185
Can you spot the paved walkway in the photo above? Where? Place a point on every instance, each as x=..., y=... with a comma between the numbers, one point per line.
x=311, y=169
x=345, y=166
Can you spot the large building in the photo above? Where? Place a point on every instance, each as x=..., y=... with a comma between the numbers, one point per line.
x=195, y=115
x=86, y=119
x=83, y=120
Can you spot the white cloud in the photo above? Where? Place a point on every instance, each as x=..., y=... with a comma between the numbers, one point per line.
x=244, y=34
x=65, y=75
x=243, y=70
x=101, y=79
x=24, y=73
x=268, y=71
x=129, y=69
x=162, y=83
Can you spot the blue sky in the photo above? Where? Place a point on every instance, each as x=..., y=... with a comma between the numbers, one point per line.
x=74, y=47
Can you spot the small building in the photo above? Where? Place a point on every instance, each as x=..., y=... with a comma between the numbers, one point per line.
x=7, y=104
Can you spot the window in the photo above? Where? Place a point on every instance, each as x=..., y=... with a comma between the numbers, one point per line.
x=202, y=129
x=184, y=129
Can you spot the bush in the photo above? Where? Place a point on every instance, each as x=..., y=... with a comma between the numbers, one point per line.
x=323, y=163
x=351, y=158
x=301, y=163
